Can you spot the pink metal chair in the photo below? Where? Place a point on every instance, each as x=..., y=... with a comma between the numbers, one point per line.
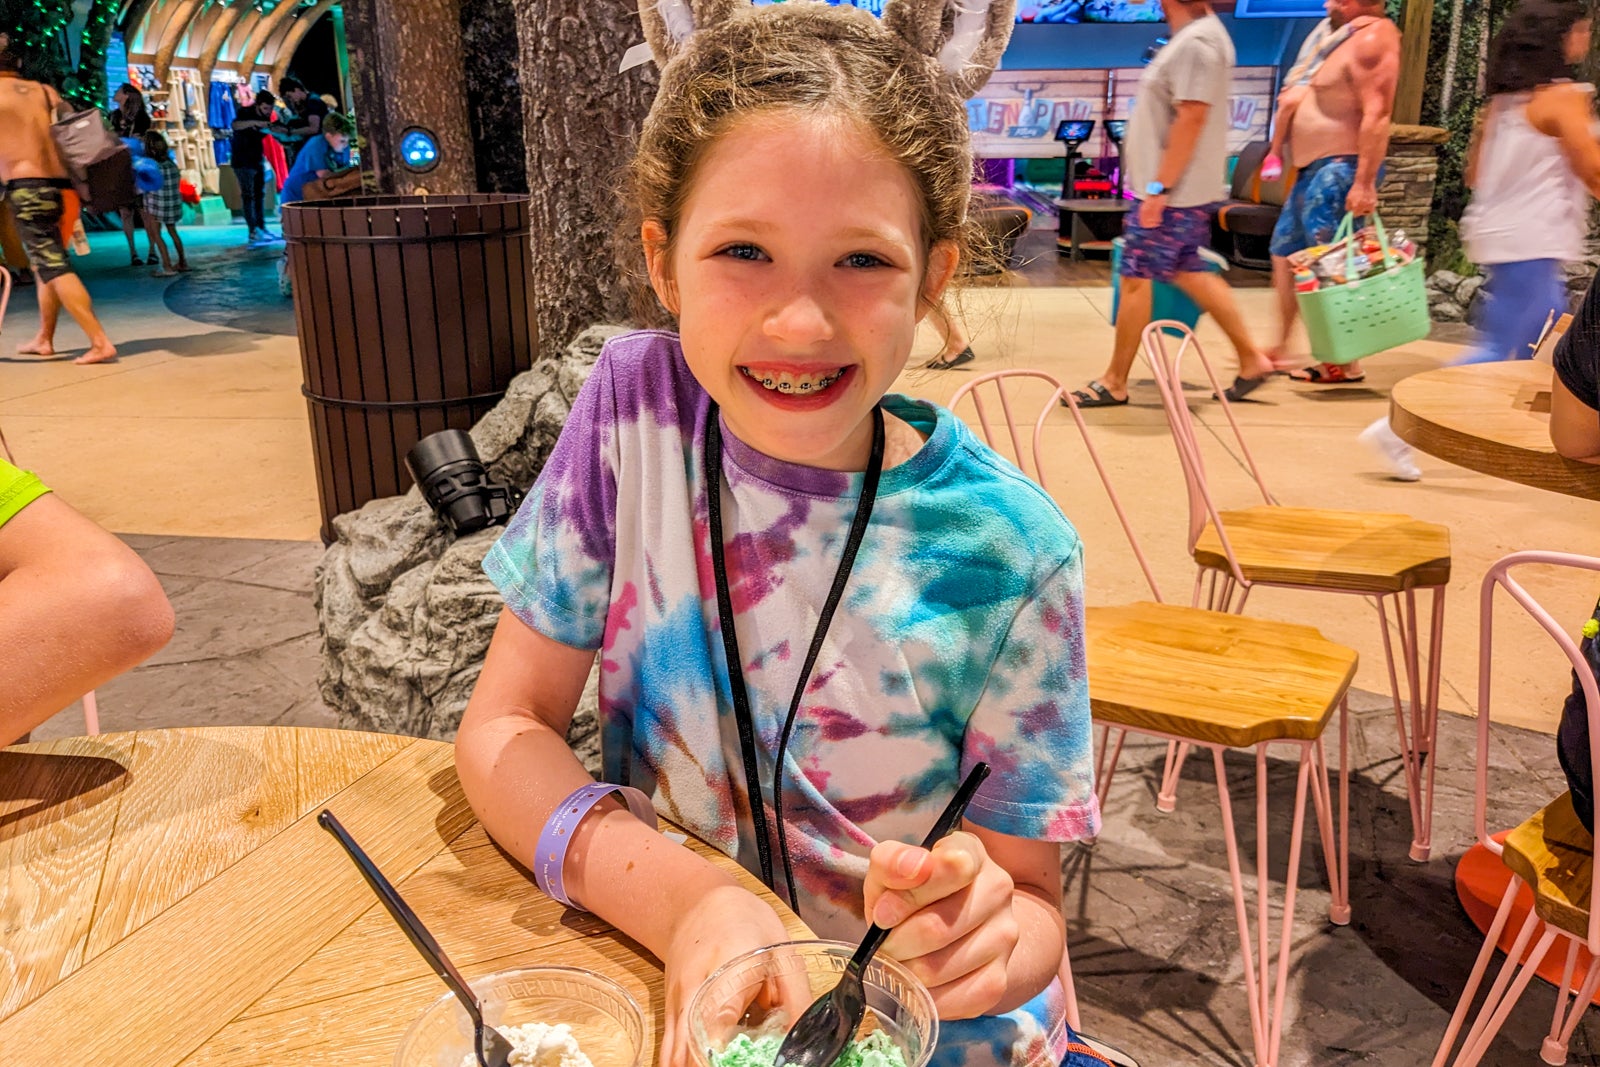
x=1551, y=852
x=1386, y=558
x=1215, y=680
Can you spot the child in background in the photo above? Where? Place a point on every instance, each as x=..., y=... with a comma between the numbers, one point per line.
x=164, y=206
x=800, y=191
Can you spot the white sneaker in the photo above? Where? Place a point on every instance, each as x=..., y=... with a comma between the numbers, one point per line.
x=1395, y=453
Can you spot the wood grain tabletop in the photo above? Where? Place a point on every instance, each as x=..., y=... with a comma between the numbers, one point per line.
x=167, y=897
x=1493, y=418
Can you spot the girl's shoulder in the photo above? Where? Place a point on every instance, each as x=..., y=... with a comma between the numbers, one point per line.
x=644, y=373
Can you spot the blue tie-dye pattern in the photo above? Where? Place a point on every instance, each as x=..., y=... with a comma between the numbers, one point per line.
x=955, y=641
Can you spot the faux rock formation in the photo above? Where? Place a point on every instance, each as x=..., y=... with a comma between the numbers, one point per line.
x=406, y=612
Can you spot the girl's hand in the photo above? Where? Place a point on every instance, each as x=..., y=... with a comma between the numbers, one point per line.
x=727, y=922
x=950, y=912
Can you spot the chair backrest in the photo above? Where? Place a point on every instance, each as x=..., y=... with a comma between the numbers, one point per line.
x=999, y=385
x=1248, y=184
x=1164, y=344
x=1499, y=576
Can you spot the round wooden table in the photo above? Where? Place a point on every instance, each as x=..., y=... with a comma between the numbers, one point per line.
x=1493, y=418
x=168, y=897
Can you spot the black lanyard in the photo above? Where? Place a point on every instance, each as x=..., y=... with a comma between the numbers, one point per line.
x=730, y=642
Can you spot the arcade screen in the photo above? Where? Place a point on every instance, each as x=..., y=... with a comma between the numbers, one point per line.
x=874, y=6
x=1074, y=129
x=1069, y=11
x=1116, y=129
x=1279, y=9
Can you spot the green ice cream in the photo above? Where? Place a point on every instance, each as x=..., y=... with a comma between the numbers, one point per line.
x=875, y=1050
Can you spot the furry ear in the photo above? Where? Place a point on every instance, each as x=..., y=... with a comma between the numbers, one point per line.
x=668, y=24
x=965, y=37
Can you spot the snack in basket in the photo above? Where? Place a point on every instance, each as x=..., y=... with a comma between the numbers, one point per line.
x=540, y=1045
x=1359, y=256
x=877, y=1049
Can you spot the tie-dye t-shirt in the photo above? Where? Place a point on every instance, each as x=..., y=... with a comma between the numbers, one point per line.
x=958, y=639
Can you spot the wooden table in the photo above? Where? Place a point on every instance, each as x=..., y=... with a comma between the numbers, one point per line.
x=1076, y=234
x=1493, y=418
x=169, y=898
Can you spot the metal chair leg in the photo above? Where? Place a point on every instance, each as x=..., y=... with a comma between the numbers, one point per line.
x=1265, y=991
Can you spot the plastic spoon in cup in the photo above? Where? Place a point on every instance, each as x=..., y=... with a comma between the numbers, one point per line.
x=490, y=1046
x=820, y=1036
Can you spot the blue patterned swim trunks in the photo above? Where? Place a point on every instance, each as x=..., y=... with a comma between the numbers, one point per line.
x=1316, y=204
x=1169, y=249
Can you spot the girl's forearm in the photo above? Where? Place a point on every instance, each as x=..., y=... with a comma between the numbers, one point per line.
x=516, y=769
x=1041, y=940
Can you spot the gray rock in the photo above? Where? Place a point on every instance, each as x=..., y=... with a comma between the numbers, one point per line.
x=1447, y=311
x=1466, y=289
x=388, y=537
x=406, y=612
x=1444, y=281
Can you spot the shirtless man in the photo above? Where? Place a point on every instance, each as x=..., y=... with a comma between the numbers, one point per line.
x=1338, y=137
x=34, y=180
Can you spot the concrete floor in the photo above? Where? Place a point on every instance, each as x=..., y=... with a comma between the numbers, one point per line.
x=194, y=444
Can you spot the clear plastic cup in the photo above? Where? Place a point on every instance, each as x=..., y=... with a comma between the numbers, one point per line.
x=766, y=990
x=605, y=1019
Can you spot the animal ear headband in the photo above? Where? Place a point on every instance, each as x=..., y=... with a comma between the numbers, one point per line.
x=964, y=37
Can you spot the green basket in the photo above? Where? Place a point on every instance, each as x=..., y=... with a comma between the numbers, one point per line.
x=1359, y=319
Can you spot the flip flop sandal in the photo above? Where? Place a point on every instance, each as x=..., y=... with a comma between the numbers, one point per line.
x=1332, y=375
x=1242, y=387
x=952, y=362
x=1096, y=396
x=137, y=262
x=152, y=259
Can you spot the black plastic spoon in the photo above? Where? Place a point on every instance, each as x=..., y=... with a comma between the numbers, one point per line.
x=491, y=1047
x=820, y=1036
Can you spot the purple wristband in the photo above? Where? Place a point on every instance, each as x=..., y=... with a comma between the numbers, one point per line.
x=551, y=855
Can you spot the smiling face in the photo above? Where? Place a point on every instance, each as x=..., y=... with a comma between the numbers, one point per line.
x=798, y=275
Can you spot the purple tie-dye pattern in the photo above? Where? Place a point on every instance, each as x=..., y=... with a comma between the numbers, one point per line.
x=959, y=639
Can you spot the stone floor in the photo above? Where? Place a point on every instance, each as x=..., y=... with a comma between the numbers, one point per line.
x=194, y=446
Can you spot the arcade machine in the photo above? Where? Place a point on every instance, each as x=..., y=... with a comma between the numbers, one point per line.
x=1088, y=223
x=1116, y=130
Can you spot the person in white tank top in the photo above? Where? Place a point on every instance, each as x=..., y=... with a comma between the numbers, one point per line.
x=1533, y=164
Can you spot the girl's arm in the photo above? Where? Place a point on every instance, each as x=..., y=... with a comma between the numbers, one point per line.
x=977, y=920
x=1565, y=113
x=1574, y=425
x=1035, y=869
x=1475, y=147
x=515, y=766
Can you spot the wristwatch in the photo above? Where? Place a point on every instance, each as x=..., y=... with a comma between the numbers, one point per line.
x=1155, y=189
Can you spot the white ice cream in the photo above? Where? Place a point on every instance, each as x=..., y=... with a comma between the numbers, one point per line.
x=540, y=1045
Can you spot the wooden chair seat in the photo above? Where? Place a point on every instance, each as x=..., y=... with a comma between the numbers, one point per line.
x=1210, y=676
x=1554, y=854
x=1357, y=551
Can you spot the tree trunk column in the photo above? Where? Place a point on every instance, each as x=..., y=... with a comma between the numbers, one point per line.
x=581, y=120
x=407, y=69
x=1406, y=196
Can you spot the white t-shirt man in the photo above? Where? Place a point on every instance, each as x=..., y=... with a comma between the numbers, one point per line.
x=1196, y=65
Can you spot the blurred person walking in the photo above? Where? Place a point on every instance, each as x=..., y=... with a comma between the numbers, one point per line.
x=1177, y=152
x=1533, y=164
x=35, y=181
x=1338, y=125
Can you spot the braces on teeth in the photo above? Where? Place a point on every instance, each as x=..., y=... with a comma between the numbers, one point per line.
x=795, y=387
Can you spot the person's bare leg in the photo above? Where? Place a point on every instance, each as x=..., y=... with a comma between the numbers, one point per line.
x=1288, y=311
x=69, y=290
x=1215, y=296
x=954, y=337
x=153, y=229
x=1133, y=315
x=43, y=343
x=177, y=243
x=127, y=231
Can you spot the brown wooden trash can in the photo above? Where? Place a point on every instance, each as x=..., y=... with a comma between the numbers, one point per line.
x=414, y=314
